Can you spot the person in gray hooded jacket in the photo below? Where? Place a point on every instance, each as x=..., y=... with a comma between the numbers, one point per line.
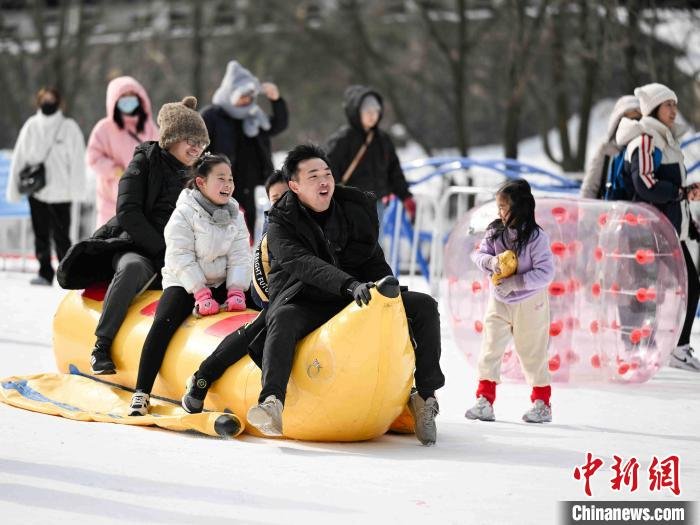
x=241, y=130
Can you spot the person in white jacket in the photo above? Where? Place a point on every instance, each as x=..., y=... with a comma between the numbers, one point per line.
x=56, y=140
x=207, y=261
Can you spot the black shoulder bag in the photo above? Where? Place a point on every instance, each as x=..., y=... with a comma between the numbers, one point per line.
x=32, y=177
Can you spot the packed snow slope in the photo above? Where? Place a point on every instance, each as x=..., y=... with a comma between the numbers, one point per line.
x=54, y=470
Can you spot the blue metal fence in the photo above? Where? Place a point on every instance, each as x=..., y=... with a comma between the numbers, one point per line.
x=539, y=179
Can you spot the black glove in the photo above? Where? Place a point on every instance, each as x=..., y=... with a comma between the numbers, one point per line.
x=360, y=292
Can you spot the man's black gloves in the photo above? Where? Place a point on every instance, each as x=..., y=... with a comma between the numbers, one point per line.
x=360, y=292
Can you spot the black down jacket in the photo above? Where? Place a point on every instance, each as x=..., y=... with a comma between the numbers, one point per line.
x=316, y=264
x=379, y=170
x=148, y=191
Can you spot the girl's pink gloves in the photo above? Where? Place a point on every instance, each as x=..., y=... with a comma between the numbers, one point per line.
x=236, y=300
x=204, y=303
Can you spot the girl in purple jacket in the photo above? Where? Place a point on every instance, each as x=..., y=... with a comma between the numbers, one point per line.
x=518, y=306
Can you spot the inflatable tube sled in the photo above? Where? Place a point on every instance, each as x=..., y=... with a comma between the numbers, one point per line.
x=350, y=380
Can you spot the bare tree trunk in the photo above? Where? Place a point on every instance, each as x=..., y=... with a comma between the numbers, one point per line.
x=559, y=81
x=631, y=43
x=78, y=54
x=197, y=50
x=521, y=57
x=592, y=34
x=460, y=71
x=456, y=57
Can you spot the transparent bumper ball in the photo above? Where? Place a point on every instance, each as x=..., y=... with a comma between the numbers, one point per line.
x=617, y=301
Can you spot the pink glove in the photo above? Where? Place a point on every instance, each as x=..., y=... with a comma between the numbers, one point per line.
x=409, y=204
x=204, y=303
x=236, y=300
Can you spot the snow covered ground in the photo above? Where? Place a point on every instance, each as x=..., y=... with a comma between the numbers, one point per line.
x=54, y=470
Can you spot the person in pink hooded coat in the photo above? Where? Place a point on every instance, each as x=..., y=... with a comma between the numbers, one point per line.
x=128, y=123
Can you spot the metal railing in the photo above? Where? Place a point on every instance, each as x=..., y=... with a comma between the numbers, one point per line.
x=397, y=225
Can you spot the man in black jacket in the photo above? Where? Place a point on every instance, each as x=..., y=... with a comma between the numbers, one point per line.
x=323, y=248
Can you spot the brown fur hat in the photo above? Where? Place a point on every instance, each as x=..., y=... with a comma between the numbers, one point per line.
x=180, y=121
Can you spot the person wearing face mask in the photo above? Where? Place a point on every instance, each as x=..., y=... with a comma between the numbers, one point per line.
x=50, y=137
x=129, y=250
x=128, y=123
x=362, y=155
x=241, y=130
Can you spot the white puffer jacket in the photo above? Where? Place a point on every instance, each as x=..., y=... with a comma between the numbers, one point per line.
x=200, y=252
x=65, y=165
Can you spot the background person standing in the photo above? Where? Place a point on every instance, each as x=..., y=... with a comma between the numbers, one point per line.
x=241, y=130
x=50, y=137
x=362, y=155
x=112, y=142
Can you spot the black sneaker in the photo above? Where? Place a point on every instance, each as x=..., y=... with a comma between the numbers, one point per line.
x=101, y=361
x=195, y=391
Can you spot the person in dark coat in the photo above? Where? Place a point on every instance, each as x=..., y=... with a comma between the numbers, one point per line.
x=241, y=130
x=324, y=252
x=129, y=249
x=378, y=170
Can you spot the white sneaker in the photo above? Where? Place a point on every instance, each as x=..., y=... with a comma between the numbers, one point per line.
x=267, y=416
x=539, y=413
x=482, y=410
x=682, y=357
x=139, y=404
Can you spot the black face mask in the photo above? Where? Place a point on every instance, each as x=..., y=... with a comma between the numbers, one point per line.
x=49, y=108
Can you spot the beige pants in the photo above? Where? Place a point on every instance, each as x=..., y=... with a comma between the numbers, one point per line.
x=528, y=323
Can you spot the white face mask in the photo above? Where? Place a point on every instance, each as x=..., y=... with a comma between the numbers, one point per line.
x=128, y=104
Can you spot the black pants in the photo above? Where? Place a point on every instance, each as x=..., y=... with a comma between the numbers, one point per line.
x=174, y=306
x=693, y=296
x=133, y=272
x=291, y=322
x=230, y=350
x=49, y=220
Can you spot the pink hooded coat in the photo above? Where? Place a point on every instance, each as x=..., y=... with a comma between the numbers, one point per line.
x=110, y=149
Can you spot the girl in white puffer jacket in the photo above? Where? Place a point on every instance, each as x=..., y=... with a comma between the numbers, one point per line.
x=207, y=260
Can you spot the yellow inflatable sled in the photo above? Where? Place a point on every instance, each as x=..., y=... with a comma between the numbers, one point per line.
x=350, y=380
x=86, y=399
